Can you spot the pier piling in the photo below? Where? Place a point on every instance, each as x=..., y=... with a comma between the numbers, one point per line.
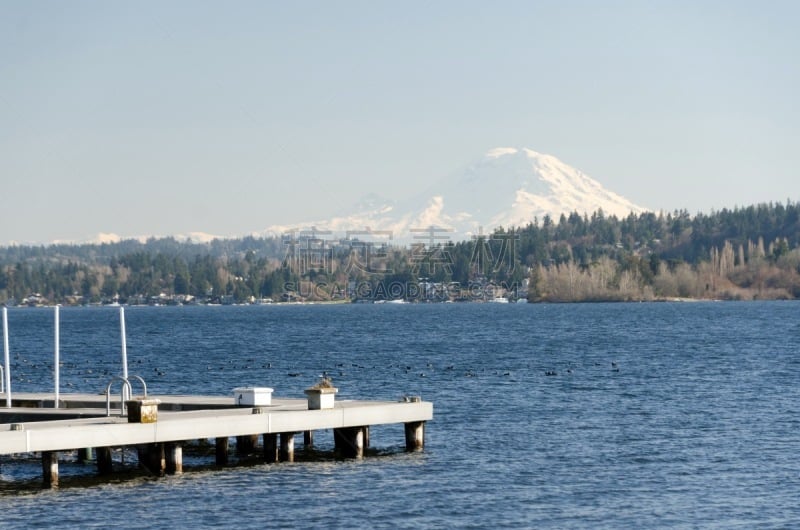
x=222, y=451
x=349, y=441
x=287, y=447
x=415, y=435
x=104, y=462
x=174, y=458
x=246, y=444
x=153, y=458
x=271, y=449
x=50, y=469
x=85, y=455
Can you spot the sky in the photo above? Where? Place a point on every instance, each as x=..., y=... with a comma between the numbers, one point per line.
x=167, y=118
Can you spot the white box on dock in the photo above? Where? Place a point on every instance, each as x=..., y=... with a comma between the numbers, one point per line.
x=252, y=396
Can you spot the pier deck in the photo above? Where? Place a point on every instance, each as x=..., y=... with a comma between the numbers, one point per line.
x=186, y=418
x=32, y=425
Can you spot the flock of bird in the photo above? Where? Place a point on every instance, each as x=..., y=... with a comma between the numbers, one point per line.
x=25, y=370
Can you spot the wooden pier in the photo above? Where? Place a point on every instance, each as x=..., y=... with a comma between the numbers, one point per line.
x=159, y=427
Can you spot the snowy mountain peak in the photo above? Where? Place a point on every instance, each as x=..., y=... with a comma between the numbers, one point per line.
x=506, y=187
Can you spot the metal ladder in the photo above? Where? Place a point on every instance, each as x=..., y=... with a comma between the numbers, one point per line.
x=123, y=395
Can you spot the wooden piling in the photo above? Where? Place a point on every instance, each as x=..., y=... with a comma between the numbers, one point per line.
x=246, y=444
x=222, y=451
x=271, y=449
x=152, y=458
x=85, y=455
x=308, y=438
x=174, y=456
x=287, y=447
x=104, y=462
x=415, y=435
x=50, y=469
x=349, y=441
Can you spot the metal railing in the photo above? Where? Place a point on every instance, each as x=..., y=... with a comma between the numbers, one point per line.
x=122, y=394
x=125, y=392
x=144, y=385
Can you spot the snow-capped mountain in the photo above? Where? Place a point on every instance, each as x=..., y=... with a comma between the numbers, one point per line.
x=509, y=187
x=506, y=187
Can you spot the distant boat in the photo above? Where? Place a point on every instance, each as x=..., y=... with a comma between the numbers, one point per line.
x=397, y=301
x=499, y=300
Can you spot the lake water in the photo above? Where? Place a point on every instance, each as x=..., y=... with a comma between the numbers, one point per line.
x=659, y=415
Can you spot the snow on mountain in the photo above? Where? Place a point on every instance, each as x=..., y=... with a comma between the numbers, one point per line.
x=110, y=238
x=506, y=187
x=511, y=187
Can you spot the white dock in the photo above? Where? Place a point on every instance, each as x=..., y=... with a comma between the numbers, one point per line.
x=33, y=425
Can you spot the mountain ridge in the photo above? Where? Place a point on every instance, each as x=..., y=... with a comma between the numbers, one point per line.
x=506, y=187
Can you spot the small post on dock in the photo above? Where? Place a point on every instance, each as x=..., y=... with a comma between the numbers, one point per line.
x=7, y=371
x=56, y=356
x=222, y=450
x=415, y=435
x=270, y=442
x=124, y=346
x=50, y=469
x=287, y=447
x=142, y=410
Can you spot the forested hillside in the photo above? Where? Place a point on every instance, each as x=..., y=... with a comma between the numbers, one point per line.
x=744, y=253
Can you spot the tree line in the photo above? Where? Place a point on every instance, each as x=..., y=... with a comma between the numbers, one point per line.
x=743, y=253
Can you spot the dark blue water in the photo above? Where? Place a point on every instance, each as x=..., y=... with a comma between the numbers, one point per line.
x=660, y=415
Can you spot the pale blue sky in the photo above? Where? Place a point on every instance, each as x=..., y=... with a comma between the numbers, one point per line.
x=226, y=117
